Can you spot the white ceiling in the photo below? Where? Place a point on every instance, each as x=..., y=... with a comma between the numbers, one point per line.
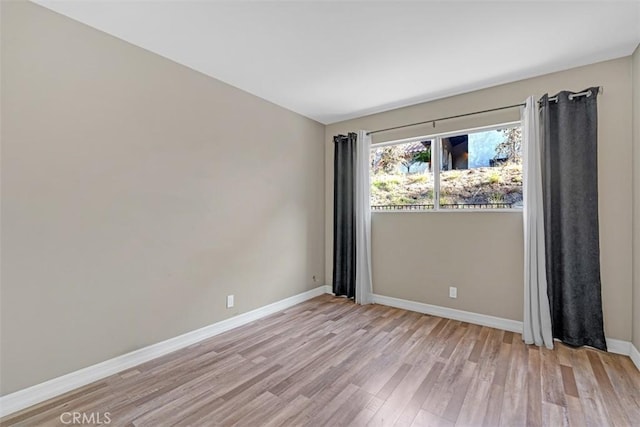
x=332, y=61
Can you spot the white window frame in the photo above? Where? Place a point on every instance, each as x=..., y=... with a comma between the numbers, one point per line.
x=436, y=149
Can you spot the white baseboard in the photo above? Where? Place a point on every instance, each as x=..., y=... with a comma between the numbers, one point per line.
x=635, y=356
x=40, y=392
x=450, y=313
x=613, y=345
x=618, y=346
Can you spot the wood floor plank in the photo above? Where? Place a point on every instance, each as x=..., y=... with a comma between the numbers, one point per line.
x=401, y=395
x=554, y=415
x=452, y=342
x=179, y=400
x=288, y=413
x=574, y=412
x=626, y=391
x=442, y=338
x=502, y=365
x=266, y=410
x=552, y=385
x=565, y=354
x=494, y=406
x=318, y=414
x=450, y=389
x=419, y=346
x=478, y=346
x=534, y=389
x=350, y=409
x=514, y=403
x=366, y=414
x=378, y=378
x=595, y=413
x=474, y=407
x=488, y=363
x=239, y=412
x=330, y=362
x=427, y=419
x=420, y=396
x=458, y=393
x=630, y=369
x=606, y=390
x=569, y=381
x=393, y=382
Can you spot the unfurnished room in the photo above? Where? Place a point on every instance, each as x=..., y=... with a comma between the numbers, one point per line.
x=319, y=213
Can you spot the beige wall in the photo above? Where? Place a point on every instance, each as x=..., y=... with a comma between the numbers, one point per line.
x=636, y=198
x=137, y=194
x=417, y=256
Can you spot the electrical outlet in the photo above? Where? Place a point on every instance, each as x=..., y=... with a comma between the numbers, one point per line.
x=230, y=301
x=453, y=292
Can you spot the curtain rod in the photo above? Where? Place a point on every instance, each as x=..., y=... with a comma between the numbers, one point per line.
x=587, y=93
x=445, y=118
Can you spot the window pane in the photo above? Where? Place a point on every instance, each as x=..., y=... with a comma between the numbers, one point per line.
x=402, y=177
x=482, y=170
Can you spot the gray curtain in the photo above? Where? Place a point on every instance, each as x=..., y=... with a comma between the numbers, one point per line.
x=344, y=225
x=569, y=129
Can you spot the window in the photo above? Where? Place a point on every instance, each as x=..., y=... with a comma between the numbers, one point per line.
x=480, y=169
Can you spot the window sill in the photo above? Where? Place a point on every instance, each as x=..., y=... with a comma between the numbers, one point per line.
x=447, y=211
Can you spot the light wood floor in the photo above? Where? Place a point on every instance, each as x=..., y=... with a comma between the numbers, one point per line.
x=330, y=362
